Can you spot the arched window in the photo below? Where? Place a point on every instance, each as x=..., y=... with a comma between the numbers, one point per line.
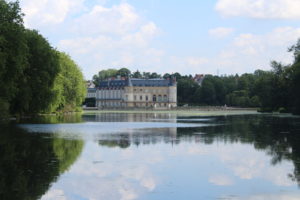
x=159, y=98
x=165, y=98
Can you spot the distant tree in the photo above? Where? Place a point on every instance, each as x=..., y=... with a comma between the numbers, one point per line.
x=177, y=75
x=186, y=89
x=294, y=75
x=155, y=75
x=166, y=76
x=146, y=75
x=208, y=92
x=124, y=72
x=108, y=73
x=137, y=74
x=264, y=90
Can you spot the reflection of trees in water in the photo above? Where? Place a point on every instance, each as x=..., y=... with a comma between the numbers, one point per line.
x=138, y=137
x=54, y=119
x=277, y=136
x=29, y=163
x=127, y=117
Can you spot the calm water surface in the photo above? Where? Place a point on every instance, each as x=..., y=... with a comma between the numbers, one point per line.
x=151, y=156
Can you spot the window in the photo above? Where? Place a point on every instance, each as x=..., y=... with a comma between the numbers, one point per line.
x=141, y=90
x=134, y=97
x=165, y=98
x=147, y=98
x=141, y=98
x=154, y=98
x=159, y=98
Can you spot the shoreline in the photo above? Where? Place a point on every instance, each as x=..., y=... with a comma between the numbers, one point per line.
x=199, y=111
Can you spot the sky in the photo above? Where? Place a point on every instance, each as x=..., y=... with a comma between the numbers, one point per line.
x=166, y=36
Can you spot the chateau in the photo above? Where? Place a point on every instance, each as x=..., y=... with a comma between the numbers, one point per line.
x=135, y=93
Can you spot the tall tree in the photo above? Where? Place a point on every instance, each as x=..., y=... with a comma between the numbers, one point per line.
x=13, y=51
x=35, y=92
x=69, y=86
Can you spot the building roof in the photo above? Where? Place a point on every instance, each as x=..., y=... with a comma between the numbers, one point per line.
x=158, y=82
x=113, y=83
x=150, y=82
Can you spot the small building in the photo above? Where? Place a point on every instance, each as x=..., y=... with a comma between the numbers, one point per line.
x=91, y=93
x=198, y=78
x=90, y=84
x=137, y=93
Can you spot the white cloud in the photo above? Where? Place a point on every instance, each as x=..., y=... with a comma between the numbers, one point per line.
x=196, y=61
x=127, y=194
x=189, y=64
x=119, y=19
x=114, y=36
x=248, y=51
x=220, y=32
x=274, y=9
x=54, y=194
x=221, y=180
x=46, y=12
x=283, y=196
x=254, y=165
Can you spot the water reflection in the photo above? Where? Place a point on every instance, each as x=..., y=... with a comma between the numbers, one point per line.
x=148, y=156
x=30, y=163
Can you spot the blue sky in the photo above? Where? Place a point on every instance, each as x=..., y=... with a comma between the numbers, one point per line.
x=207, y=36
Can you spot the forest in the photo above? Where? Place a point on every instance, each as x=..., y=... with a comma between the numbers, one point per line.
x=273, y=90
x=34, y=76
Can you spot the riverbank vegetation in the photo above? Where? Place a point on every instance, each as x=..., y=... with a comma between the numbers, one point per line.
x=34, y=76
x=273, y=90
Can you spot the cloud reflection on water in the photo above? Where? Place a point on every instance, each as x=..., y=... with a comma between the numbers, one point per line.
x=159, y=160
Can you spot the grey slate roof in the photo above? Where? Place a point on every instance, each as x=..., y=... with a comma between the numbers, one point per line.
x=136, y=82
x=113, y=83
x=150, y=82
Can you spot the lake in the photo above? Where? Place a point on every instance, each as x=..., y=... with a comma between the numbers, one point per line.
x=151, y=156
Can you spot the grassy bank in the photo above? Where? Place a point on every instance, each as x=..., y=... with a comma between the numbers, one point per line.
x=180, y=112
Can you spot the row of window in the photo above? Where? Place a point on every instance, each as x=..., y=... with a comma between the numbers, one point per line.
x=110, y=104
x=109, y=94
x=155, y=98
x=150, y=90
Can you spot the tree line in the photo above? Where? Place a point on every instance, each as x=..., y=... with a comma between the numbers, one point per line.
x=34, y=76
x=273, y=90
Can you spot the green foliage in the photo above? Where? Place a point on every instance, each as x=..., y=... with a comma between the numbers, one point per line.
x=13, y=49
x=124, y=72
x=29, y=66
x=186, y=88
x=67, y=152
x=30, y=163
x=69, y=86
x=4, y=109
x=137, y=74
x=35, y=92
x=90, y=102
x=294, y=75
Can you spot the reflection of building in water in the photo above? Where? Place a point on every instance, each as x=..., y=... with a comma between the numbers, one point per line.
x=132, y=93
x=139, y=137
x=130, y=117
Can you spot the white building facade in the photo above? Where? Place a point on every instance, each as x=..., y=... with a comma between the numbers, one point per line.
x=133, y=93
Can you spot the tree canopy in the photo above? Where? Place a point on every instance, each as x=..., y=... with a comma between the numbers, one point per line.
x=31, y=70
